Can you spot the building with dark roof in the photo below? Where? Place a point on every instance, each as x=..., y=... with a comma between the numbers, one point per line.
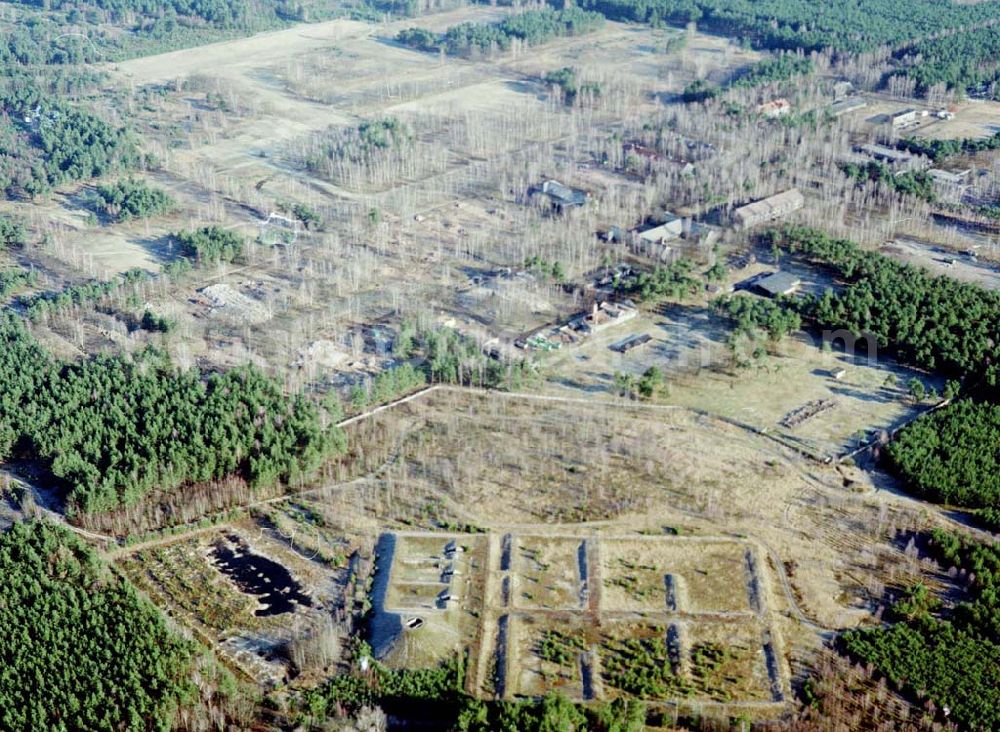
x=561, y=196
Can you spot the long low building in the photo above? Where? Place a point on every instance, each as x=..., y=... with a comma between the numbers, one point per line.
x=769, y=209
x=904, y=118
x=948, y=177
x=890, y=155
x=849, y=104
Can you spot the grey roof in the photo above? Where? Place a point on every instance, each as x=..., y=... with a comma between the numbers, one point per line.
x=772, y=207
x=947, y=176
x=848, y=104
x=881, y=152
x=778, y=283
x=672, y=228
x=563, y=194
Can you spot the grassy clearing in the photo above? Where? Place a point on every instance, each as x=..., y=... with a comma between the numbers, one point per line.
x=546, y=574
x=180, y=576
x=727, y=662
x=691, y=349
x=707, y=576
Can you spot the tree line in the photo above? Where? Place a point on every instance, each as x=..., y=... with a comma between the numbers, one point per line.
x=916, y=183
x=64, y=33
x=941, y=150
x=964, y=59
x=449, y=357
x=361, y=145
x=12, y=280
x=572, y=89
x=750, y=314
x=853, y=27
x=221, y=12
x=784, y=67
x=111, y=429
x=531, y=27
x=13, y=233
x=438, y=694
x=41, y=305
x=674, y=281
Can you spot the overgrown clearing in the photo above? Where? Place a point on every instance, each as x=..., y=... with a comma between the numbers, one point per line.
x=552, y=609
x=253, y=628
x=690, y=345
x=540, y=612
x=496, y=461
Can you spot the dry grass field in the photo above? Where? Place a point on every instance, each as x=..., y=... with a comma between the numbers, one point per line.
x=510, y=463
x=717, y=554
x=546, y=574
x=704, y=577
x=973, y=118
x=689, y=344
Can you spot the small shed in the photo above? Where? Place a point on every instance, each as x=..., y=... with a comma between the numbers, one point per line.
x=903, y=118
x=614, y=234
x=846, y=105
x=562, y=196
x=775, y=108
x=778, y=283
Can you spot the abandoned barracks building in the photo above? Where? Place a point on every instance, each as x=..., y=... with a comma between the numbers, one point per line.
x=769, y=209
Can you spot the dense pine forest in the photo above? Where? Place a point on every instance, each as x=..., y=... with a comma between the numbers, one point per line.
x=210, y=244
x=113, y=428
x=62, y=34
x=941, y=150
x=532, y=27
x=130, y=199
x=81, y=649
x=959, y=60
x=953, y=455
x=47, y=142
x=801, y=24
x=933, y=323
